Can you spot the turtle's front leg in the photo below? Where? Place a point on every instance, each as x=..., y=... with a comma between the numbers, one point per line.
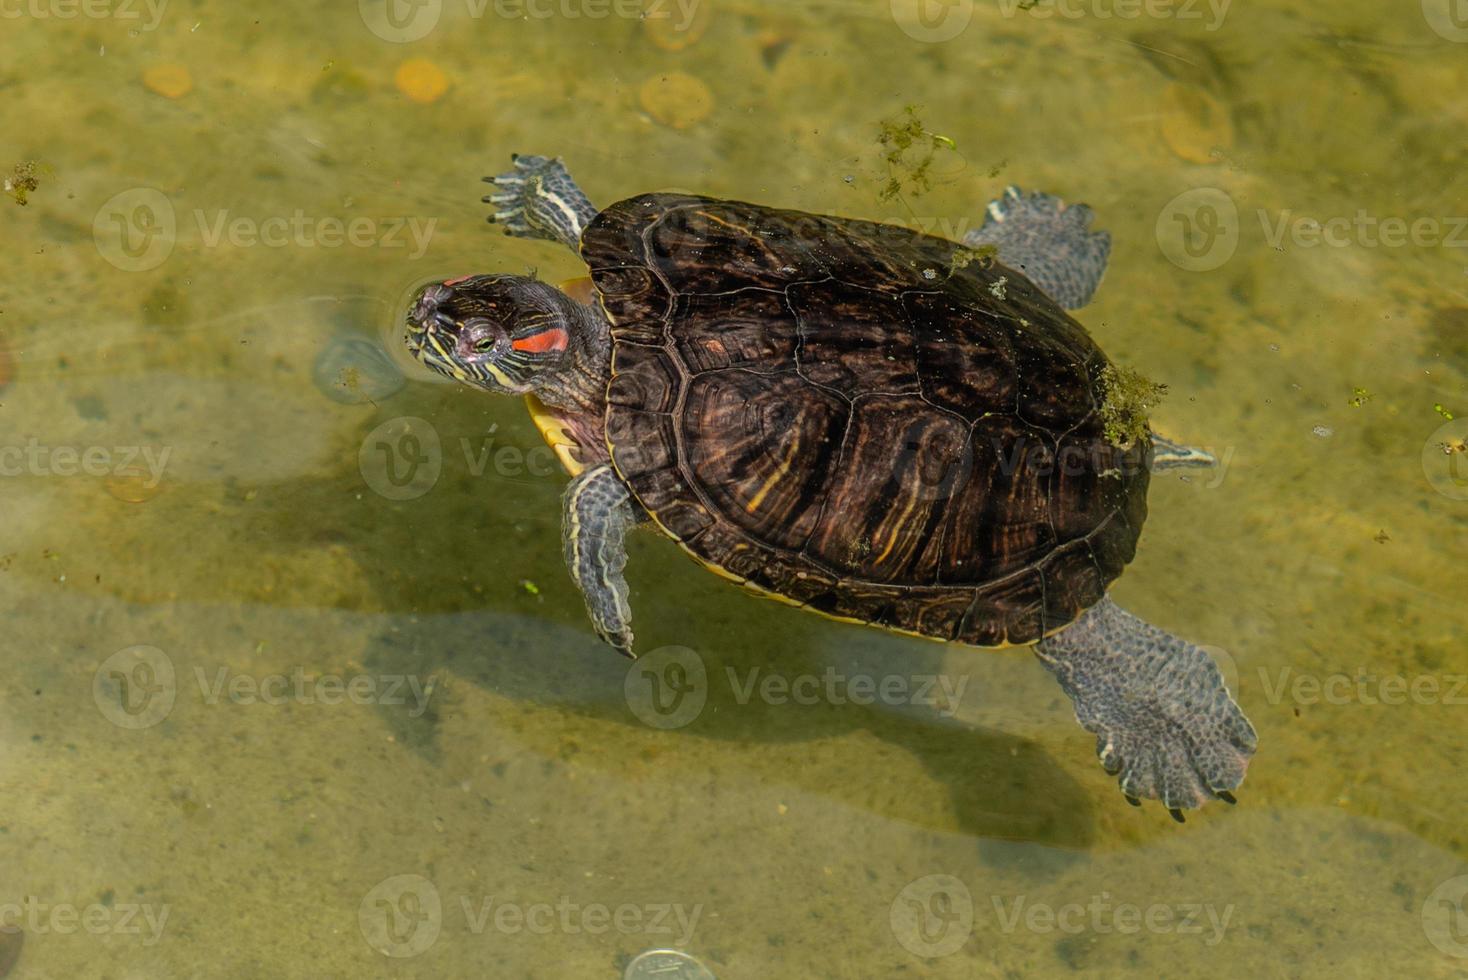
x=1164, y=721
x=538, y=199
x=598, y=512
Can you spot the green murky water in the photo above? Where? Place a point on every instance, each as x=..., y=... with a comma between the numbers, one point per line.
x=296, y=688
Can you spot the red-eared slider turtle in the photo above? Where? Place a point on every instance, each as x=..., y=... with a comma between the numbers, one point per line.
x=878, y=425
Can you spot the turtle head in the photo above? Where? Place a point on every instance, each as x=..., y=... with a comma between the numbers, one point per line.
x=506, y=334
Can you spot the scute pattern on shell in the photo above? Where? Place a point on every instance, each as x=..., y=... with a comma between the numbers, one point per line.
x=826, y=409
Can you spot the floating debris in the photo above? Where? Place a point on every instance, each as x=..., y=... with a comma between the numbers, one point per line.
x=910, y=150
x=171, y=81
x=1359, y=397
x=353, y=370
x=421, y=80
x=677, y=99
x=1127, y=397
x=1322, y=431
x=22, y=181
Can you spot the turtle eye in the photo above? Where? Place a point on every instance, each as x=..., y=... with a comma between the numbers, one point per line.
x=480, y=337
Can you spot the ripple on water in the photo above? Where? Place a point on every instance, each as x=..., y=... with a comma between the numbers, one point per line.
x=353, y=370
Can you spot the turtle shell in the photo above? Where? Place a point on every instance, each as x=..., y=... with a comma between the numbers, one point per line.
x=861, y=419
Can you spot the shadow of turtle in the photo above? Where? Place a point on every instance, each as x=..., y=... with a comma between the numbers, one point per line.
x=999, y=788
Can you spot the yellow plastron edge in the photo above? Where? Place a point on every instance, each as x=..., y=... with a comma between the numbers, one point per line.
x=554, y=435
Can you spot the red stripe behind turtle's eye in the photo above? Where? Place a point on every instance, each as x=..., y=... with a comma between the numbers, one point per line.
x=455, y=282
x=553, y=339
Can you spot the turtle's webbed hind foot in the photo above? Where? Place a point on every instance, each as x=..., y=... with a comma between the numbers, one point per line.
x=538, y=199
x=1164, y=722
x=1049, y=242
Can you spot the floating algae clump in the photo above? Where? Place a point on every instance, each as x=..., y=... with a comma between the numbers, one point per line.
x=963, y=257
x=22, y=181
x=1126, y=397
x=910, y=151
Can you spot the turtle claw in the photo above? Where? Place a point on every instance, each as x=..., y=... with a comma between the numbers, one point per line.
x=538, y=199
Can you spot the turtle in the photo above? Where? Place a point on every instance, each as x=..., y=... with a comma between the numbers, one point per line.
x=879, y=425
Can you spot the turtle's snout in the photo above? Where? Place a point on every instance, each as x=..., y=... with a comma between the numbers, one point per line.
x=426, y=315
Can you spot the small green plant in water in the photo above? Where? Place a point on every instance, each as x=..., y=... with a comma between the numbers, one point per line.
x=1439, y=409
x=909, y=150
x=1359, y=397
x=1126, y=397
